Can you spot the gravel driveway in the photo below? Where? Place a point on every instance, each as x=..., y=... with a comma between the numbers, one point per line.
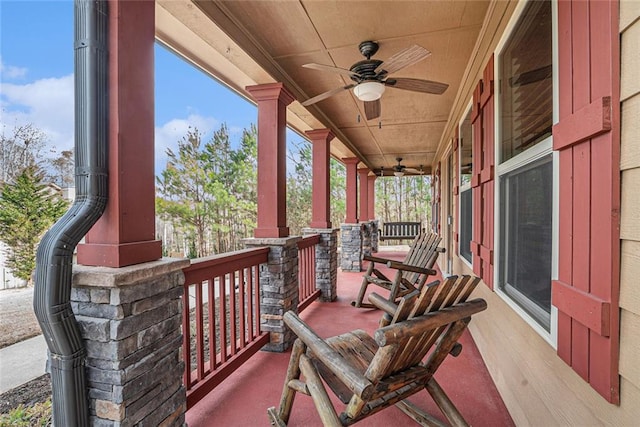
x=17, y=319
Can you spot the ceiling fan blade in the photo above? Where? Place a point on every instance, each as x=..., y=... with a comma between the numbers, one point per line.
x=321, y=67
x=413, y=170
x=326, y=95
x=372, y=109
x=404, y=58
x=417, y=85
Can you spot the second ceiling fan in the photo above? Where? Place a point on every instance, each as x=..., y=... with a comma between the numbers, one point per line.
x=371, y=77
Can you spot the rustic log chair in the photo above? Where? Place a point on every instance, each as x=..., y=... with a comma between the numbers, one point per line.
x=410, y=274
x=370, y=374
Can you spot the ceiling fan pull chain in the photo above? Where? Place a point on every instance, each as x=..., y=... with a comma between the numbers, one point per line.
x=380, y=125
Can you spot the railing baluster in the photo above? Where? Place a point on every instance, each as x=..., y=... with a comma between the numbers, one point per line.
x=186, y=336
x=257, y=301
x=212, y=322
x=222, y=298
x=251, y=304
x=199, y=333
x=241, y=315
x=232, y=312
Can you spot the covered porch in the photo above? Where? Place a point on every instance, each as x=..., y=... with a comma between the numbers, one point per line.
x=242, y=399
x=132, y=303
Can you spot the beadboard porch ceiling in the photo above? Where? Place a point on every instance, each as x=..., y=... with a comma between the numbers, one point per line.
x=244, y=43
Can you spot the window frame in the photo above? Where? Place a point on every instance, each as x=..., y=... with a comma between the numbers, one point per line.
x=538, y=151
x=465, y=187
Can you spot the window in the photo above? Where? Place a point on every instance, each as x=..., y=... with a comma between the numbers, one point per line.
x=525, y=165
x=525, y=234
x=466, y=194
x=526, y=96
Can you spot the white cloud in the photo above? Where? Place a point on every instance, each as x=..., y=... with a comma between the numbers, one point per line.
x=168, y=135
x=47, y=104
x=12, y=72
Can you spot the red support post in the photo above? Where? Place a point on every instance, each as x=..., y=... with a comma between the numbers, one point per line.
x=125, y=234
x=363, y=178
x=272, y=99
x=321, y=192
x=352, y=189
x=371, y=187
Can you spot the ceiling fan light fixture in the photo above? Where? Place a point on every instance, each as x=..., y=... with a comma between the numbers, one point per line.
x=369, y=91
x=398, y=173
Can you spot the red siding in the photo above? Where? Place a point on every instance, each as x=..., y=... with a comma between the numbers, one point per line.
x=588, y=141
x=482, y=180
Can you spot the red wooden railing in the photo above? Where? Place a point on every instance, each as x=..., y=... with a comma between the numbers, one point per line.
x=221, y=318
x=307, y=291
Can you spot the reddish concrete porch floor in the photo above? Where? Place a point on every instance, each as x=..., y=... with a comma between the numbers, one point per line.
x=243, y=398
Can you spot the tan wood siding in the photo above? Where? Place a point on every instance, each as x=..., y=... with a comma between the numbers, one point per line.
x=629, y=13
x=630, y=62
x=630, y=198
x=630, y=204
x=630, y=143
x=630, y=346
x=629, y=286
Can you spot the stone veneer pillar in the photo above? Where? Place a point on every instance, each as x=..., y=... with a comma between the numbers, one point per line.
x=326, y=261
x=130, y=319
x=351, y=257
x=367, y=228
x=278, y=288
x=375, y=237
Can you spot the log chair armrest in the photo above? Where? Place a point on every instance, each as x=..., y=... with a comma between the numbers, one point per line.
x=354, y=380
x=382, y=303
x=441, y=250
x=406, y=267
x=398, y=331
x=375, y=259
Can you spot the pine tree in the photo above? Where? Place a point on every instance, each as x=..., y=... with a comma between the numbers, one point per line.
x=28, y=208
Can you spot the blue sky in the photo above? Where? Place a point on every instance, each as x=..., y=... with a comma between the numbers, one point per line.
x=36, y=82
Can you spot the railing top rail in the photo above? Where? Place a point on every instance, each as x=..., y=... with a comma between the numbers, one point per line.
x=228, y=262
x=308, y=241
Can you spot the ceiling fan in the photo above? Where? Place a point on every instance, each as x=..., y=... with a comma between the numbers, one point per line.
x=400, y=169
x=371, y=77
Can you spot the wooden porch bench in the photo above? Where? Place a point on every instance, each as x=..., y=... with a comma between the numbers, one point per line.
x=399, y=230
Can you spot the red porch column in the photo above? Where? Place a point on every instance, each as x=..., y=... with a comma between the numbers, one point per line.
x=125, y=234
x=371, y=187
x=363, y=186
x=352, y=189
x=321, y=208
x=272, y=99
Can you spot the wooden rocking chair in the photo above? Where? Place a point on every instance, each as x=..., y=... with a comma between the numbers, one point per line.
x=370, y=374
x=411, y=274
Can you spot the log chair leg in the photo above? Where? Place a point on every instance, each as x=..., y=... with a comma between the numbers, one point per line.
x=293, y=373
x=445, y=404
x=363, y=288
x=418, y=415
x=320, y=397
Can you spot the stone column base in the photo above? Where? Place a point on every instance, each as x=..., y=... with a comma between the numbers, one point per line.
x=130, y=319
x=326, y=261
x=351, y=259
x=278, y=288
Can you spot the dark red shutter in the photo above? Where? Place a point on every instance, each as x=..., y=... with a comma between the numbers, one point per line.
x=588, y=141
x=482, y=120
